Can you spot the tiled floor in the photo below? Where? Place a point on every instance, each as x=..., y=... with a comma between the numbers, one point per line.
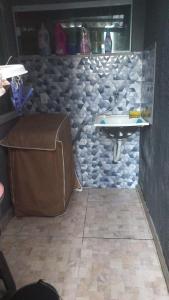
x=100, y=249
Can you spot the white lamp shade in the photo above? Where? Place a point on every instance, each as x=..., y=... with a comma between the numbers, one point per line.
x=9, y=71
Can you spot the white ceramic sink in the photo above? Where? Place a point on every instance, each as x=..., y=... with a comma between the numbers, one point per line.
x=119, y=121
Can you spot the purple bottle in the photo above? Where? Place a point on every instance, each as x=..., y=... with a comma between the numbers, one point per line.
x=85, y=47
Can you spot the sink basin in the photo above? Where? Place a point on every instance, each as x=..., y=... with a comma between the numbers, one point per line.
x=119, y=121
x=118, y=127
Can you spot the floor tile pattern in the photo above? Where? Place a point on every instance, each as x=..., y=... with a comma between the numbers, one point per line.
x=100, y=249
x=115, y=215
x=120, y=270
x=53, y=260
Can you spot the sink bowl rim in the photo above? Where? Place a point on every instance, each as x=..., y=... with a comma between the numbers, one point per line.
x=117, y=124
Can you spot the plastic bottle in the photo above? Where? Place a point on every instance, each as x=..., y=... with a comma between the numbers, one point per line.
x=73, y=41
x=96, y=42
x=108, y=43
x=60, y=40
x=85, y=47
x=44, y=41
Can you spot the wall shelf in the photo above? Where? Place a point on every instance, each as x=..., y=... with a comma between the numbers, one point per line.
x=98, y=21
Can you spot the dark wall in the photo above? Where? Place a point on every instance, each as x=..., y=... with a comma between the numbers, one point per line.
x=138, y=23
x=7, y=37
x=8, y=48
x=154, y=142
x=30, y=2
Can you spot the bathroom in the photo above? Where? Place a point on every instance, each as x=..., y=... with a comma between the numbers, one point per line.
x=85, y=87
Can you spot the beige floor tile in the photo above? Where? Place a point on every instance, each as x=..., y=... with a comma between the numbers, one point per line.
x=115, y=214
x=120, y=270
x=80, y=196
x=98, y=269
x=112, y=193
x=54, y=260
x=71, y=224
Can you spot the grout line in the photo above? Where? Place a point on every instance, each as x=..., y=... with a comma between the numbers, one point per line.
x=82, y=238
x=38, y=236
x=118, y=238
x=76, y=237
x=78, y=270
x=85, y=218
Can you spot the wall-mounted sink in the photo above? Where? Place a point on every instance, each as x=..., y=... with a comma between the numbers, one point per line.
x=118, y=127
x=106, y=120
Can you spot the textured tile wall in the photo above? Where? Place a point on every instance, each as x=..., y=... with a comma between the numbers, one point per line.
x=84, y=87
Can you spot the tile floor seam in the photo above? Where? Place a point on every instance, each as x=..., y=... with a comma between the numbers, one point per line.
x=85, y=218
x=38, y=235
x=79, y=237
x=118, y=238
x=78, y=271
x=79, y=266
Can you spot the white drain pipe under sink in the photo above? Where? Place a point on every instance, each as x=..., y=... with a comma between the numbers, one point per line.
x=117, y=150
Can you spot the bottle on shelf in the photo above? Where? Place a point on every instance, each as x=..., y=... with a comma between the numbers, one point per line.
x=60, y=40
x=85, y=47
x=44, y=41
x=108, y=42
x=96, y=42
x=73, y=41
